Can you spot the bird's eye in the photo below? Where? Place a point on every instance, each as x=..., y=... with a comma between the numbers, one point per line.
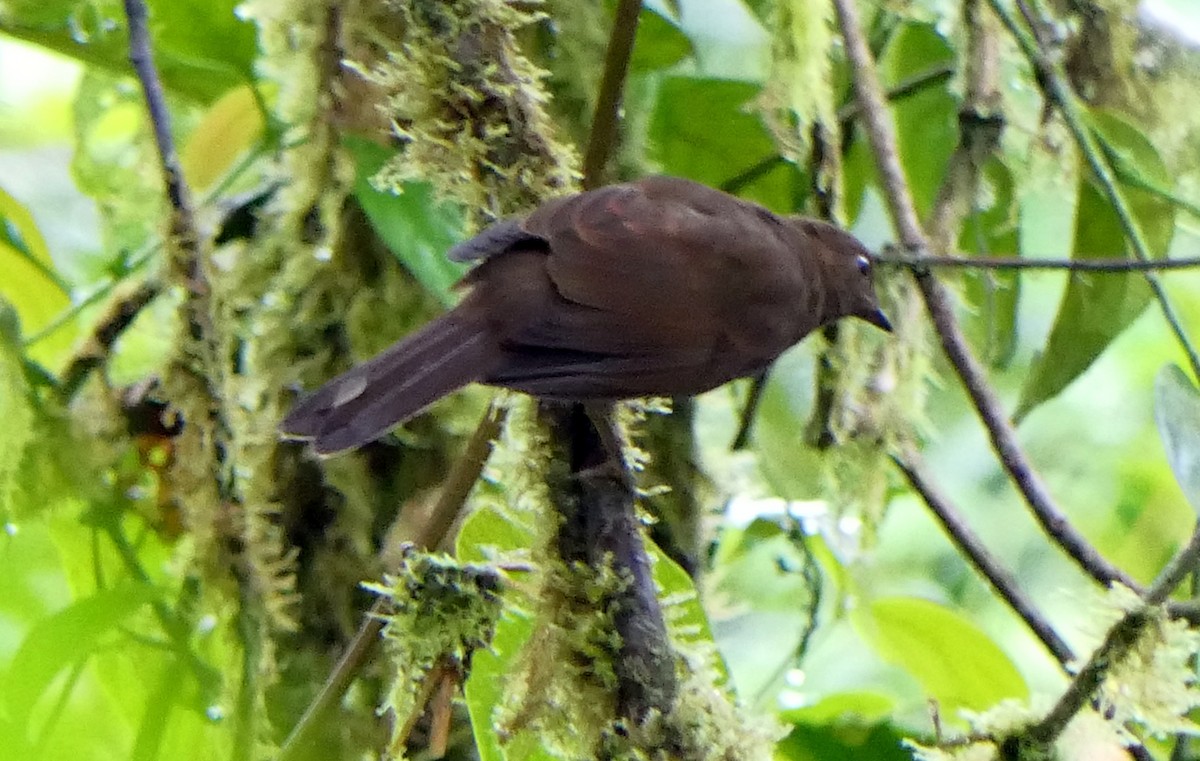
x=864, y=264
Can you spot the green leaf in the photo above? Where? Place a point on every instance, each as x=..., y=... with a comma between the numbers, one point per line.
x=993, y=294
x=227, y=131
x=202, y=48
x=926, y=120
x=864, y=706
x=66, y=638
x=660, y=43
x=31, y=285
x=791, y=467
x=843, y=741
x=487, y=531
x=700, y=129
x=16, y=410
x=955, y=662
x=681, y=603
x=1177, y=413
x=1098, y=307
x=415, y=226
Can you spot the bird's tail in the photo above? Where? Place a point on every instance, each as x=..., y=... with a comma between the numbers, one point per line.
x=364, y=402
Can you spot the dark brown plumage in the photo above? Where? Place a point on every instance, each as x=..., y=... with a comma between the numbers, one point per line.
x=658, y=287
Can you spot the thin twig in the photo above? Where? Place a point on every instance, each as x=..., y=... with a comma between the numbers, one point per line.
x=972, y=262
x=882, y=136
x=608, y=101
x=459, y=482
x=931, y=77
x=990, y=567
x=142, y=58
x=95, y=350
x=1186, y=560
x=1057, y=91
x=1121, y=638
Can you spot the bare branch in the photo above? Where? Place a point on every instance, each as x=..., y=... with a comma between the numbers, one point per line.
x=140, y=55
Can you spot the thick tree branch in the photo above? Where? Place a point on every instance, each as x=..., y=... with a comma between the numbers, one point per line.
x=599, y=527
x=881, y=134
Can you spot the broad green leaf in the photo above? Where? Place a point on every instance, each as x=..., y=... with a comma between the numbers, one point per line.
x=926, y=120
x=485, y=690
x=1098, y=307
x=30, y=283
x=862, y=706
x=202, y=48
x=415, y=226
x=700, y=129
x=659, y=43
x=65, y=639
x=955, y=662
x=993, y=231
x=791, y=467
x=228, y=130
x=681, y=604
x=487, y=531
x=15, y=410
x=843, y=741
x=1177, y=413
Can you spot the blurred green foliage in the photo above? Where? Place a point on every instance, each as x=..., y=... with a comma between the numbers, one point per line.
x=114, y=645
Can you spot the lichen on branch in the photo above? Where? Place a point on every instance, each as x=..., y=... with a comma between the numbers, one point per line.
x=470, y=109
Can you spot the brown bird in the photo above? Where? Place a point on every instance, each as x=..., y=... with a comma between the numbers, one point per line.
x=660, y=287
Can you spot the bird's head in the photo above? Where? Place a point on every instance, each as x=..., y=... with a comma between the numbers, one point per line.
x=846, y=273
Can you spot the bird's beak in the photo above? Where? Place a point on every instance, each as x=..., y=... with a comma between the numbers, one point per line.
x=877, y=318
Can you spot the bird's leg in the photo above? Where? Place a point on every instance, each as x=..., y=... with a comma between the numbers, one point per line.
x=757, y=384
x=604, y=421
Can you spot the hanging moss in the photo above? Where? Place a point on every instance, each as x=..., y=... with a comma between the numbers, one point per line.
x=469, y=107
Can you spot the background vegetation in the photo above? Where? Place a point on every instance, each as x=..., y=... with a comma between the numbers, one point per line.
x=887, y=557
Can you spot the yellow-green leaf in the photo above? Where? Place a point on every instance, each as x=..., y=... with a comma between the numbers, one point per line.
x=228, y=130
x=29, y=282
x=955, y=662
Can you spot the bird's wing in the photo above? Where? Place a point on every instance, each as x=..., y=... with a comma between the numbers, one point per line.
x=659, y=251
x=495, y=239
x=642, y=291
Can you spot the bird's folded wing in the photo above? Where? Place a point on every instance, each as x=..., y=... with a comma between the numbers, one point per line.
x=661, y=250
